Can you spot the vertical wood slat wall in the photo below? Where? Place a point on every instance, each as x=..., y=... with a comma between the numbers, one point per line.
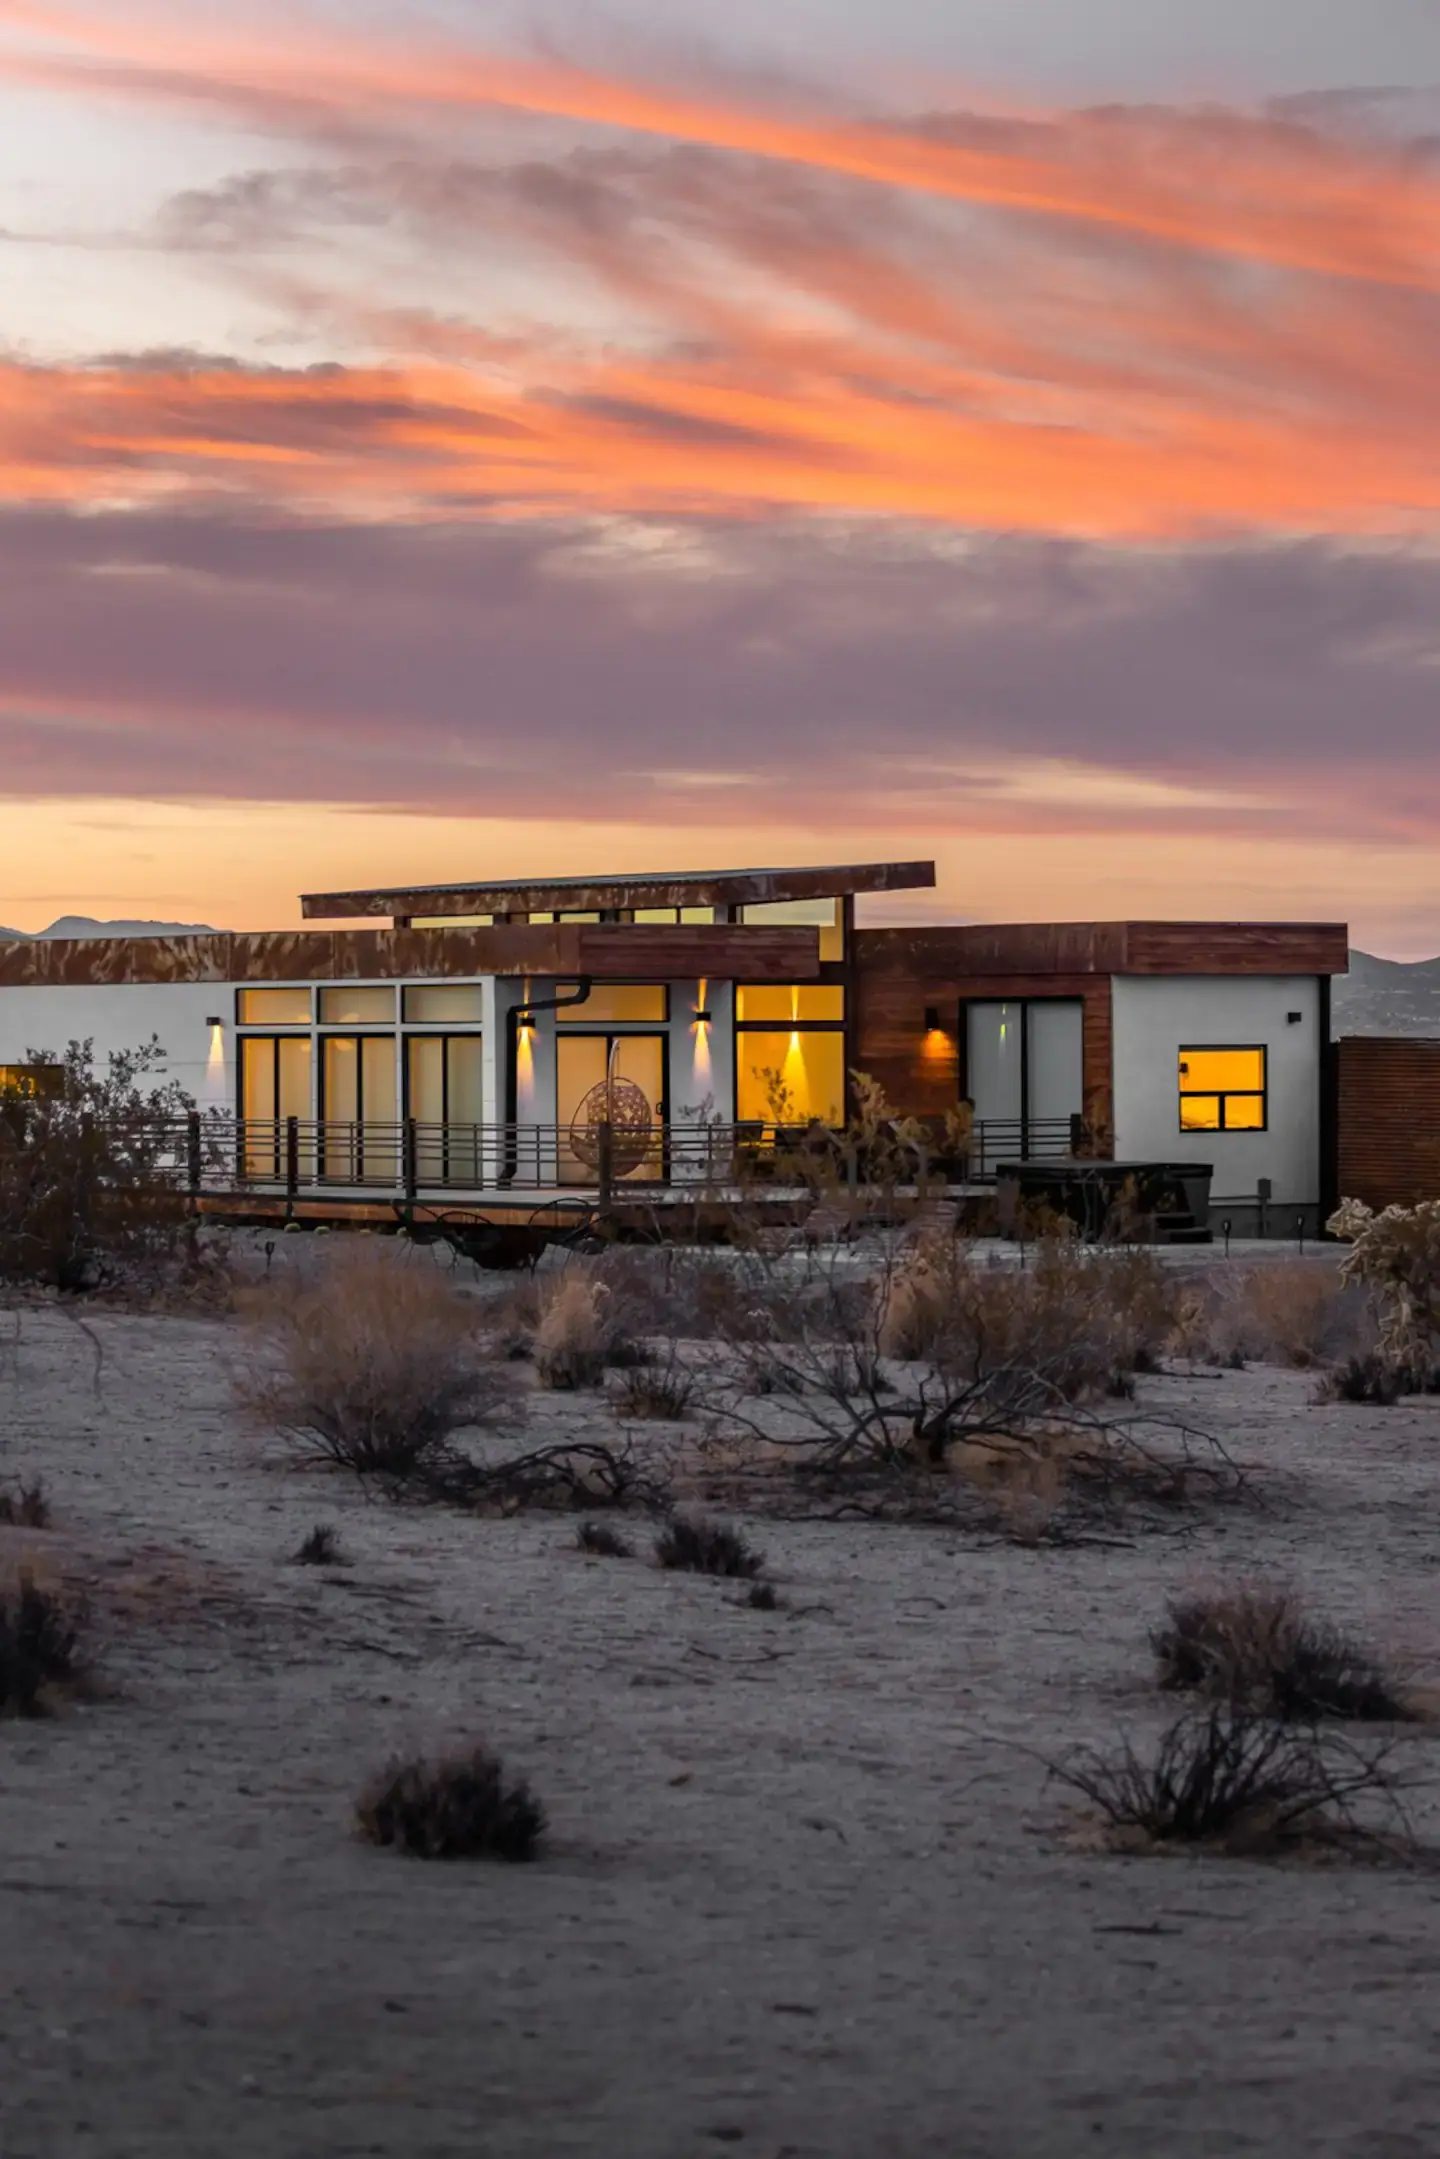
x=1388, y=1119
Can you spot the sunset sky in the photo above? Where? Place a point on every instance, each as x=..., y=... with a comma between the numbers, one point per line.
x=450, y=439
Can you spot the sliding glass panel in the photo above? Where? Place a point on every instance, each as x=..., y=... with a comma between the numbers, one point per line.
x=582, y=1065
x=425, y=1058
x=294, y=1058
x=1056, y=1064
x=993, y=1063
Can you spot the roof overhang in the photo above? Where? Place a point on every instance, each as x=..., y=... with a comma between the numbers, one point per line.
x=606, y=951
x=683, y=888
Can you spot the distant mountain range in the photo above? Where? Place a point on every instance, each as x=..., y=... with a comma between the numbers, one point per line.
x=1387, y=997
x=87, y=926
x=1377, y=997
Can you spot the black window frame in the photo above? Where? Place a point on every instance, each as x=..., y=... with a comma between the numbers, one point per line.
x=1223, y=1094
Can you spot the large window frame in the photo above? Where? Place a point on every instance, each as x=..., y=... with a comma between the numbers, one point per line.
x=1224, y=1096
x=804, y=1029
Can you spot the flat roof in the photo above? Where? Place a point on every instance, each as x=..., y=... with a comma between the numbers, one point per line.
x=589, y=895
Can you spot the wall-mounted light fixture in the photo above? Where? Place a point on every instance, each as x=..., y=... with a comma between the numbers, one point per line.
x=214, y=1021
x=1293, y=1019
x=702, y=1016
x=932, y=1020
x=524, y=1017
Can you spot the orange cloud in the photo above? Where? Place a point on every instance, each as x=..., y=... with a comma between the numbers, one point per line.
x=1255, y=189
x=732, y=434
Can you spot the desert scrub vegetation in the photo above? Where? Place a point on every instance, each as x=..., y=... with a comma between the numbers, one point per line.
x=1296, y=1312
x=378, y=1365
x=583, y=1328
x=1396, y=1256
x=1228, y=1780
x=42, y=1654
x=603, y=1542
x=24, y=1505
x=941, y=1387
x=461, y=1806
x=1258, y=1648
x=88, y=1199
x=662, y=1391
x=321, y=1547
x=692, y=1544
x=373, y=1366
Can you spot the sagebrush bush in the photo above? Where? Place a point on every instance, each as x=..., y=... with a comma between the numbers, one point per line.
x=664, y=1392
x=24, y=1506
x=1297, y=1312
x=461, y=1806
x=41, y=1638
x=1081, y=1315
x=1370, y=1380
x=1232, y=1780
x=703, y=1547
x=373, y=1366
x=321, y=1547
x=602, y=1542
x=1258, y=1648
x=582, y=1329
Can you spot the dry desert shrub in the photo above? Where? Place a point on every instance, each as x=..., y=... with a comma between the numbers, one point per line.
x=1370, y=1380
x=24, y=1506
x=1257, y=1648
x=460, y=1807
x=373, y=1366
x=1297, y=1312
x=1240, y=1784
x=1082, y=1315
x=1396, y=1255
x=582, y=1330
x=321, y=1547
x=41, y=1647
x=701, y=1547
x=602, y=1542
x=661, y=1391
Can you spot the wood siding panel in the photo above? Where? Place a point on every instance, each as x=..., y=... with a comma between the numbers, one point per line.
x=1236, y=948
x=888, y=1039
x=1388, y=1119
x=1111, y=948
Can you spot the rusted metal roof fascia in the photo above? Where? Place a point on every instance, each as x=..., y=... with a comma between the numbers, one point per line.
x=614, y=951
x=698, y=888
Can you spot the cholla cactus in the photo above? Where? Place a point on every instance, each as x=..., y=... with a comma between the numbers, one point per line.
x=1397, y=1253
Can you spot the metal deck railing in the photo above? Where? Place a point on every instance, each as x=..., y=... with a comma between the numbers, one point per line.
x=217, y=1153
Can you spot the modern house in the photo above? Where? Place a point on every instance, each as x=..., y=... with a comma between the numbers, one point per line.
x=540, y=1035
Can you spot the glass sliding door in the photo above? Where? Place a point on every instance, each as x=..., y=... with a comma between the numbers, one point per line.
x=1025, y=1075
x=359, y=1109
x=634, y=1067
x=443, y=1093
x=275, y=1085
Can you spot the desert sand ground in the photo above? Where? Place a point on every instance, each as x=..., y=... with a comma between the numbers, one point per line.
x=807, y=1890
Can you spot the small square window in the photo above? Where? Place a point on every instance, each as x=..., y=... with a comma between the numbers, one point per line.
x=1223, y=1089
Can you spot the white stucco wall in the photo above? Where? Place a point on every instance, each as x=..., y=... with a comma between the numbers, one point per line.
x=1155, y=1016
x=122, y=1016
